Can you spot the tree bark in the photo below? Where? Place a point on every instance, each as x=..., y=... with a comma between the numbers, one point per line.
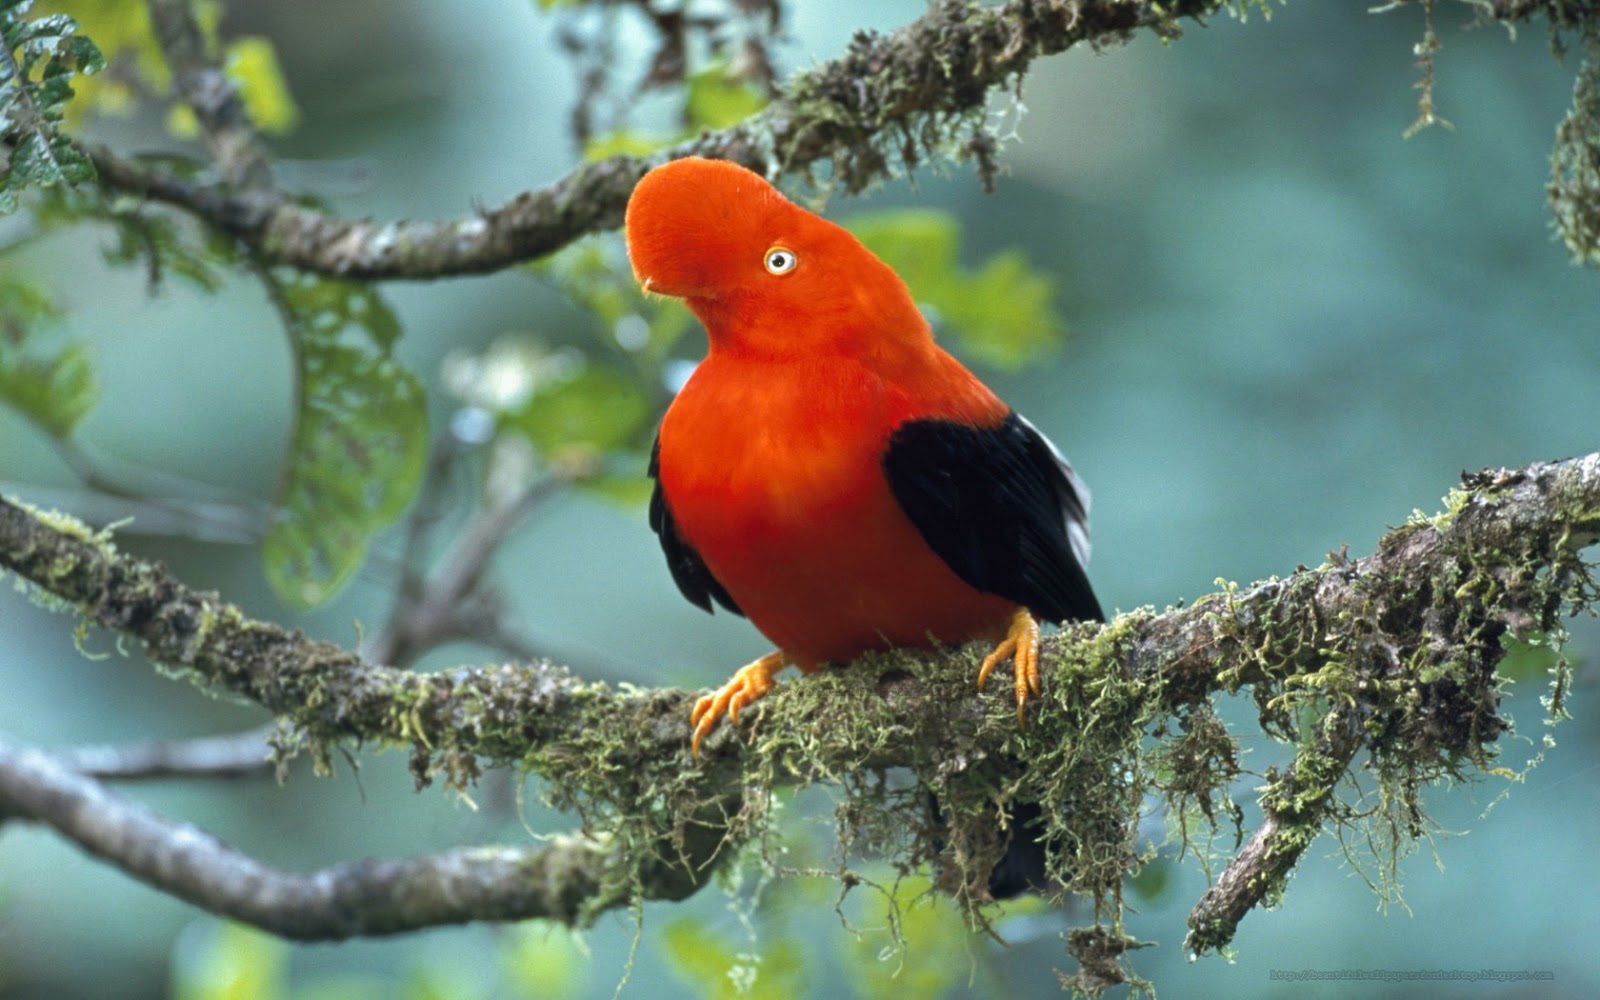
x=1396, y=650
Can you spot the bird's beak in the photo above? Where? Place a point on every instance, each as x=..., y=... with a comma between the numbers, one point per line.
x=645, y=284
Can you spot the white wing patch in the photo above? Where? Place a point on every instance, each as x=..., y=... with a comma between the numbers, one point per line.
x=1074, y=502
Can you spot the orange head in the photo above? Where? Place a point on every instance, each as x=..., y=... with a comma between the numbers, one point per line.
x=761, y=272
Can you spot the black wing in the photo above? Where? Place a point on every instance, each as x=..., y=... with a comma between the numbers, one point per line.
x=1001, y=507
x=689, y=571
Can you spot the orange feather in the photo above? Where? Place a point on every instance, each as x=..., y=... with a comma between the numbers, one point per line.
x=830, y=472
x=771, y=455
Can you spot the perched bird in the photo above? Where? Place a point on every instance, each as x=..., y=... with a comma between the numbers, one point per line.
x=828, y=471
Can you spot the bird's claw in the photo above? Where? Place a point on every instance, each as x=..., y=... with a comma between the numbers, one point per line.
x=1021, y=647
x=750, y=682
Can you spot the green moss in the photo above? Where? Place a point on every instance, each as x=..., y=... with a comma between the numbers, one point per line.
x=1406, y=673
x=1387, y=664
x=1574, y=188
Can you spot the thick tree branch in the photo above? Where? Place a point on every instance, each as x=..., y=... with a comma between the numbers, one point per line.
x=571, y=879
x=1395, y=653
x=1544, y=513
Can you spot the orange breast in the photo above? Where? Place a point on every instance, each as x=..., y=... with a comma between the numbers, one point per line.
x=773, y=473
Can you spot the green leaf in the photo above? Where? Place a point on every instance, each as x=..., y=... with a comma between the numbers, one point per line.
x=56, y=392
x=1003, y=314
x=595, y=275
x=595, y=409
x=38, y=61
x=716, y=100
x=252, y=63
x=53, y=389
x=359, y=438
x=623, y=142
x=155, y=242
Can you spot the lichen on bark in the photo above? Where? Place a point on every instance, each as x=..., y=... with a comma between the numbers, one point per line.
x=1383, y=667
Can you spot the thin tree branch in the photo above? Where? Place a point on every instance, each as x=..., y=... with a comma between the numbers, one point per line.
x=881, y=107
x=229, y=755
x=448, y=603
x=884, y=103
x=152, y=514
x=1299, y=803
x=572, y=879
x=199, y=82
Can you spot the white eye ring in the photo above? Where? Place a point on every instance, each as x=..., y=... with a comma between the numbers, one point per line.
x=780, y=260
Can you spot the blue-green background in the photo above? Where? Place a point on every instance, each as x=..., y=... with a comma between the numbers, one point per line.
x=1289, y=327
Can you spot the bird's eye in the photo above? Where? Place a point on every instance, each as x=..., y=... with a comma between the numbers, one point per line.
x=781, y=260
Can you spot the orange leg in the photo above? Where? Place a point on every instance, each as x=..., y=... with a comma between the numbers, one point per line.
x=750, y=682
x=1021, y=647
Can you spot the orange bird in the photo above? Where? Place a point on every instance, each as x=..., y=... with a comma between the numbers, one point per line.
x=830, y=472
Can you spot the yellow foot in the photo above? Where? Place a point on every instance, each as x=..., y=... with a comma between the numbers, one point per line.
x=750, y=682
x=1021, y=647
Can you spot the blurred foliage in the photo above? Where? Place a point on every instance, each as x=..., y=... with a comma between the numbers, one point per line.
x=1003, y=314
x=252, y=64
x=715, y=97
x=40, y=60
x=596, y=402
x=1530, y=658
x=359, y=441
x=594, y=275
x=139, y=73
x=152, y=239
x=53, y=388
x=543, y=960
x=717, y=969
x=909, y=942
x=1575, y=164
x=226, y=961
x=1155, y=881
x=218, y=960
x=596, y=408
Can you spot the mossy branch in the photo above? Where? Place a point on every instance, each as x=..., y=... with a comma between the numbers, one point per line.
x=568, y=878
x=890, y=102
x=1393, y=654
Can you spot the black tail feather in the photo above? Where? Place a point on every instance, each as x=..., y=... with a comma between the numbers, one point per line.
x=1022, y=867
